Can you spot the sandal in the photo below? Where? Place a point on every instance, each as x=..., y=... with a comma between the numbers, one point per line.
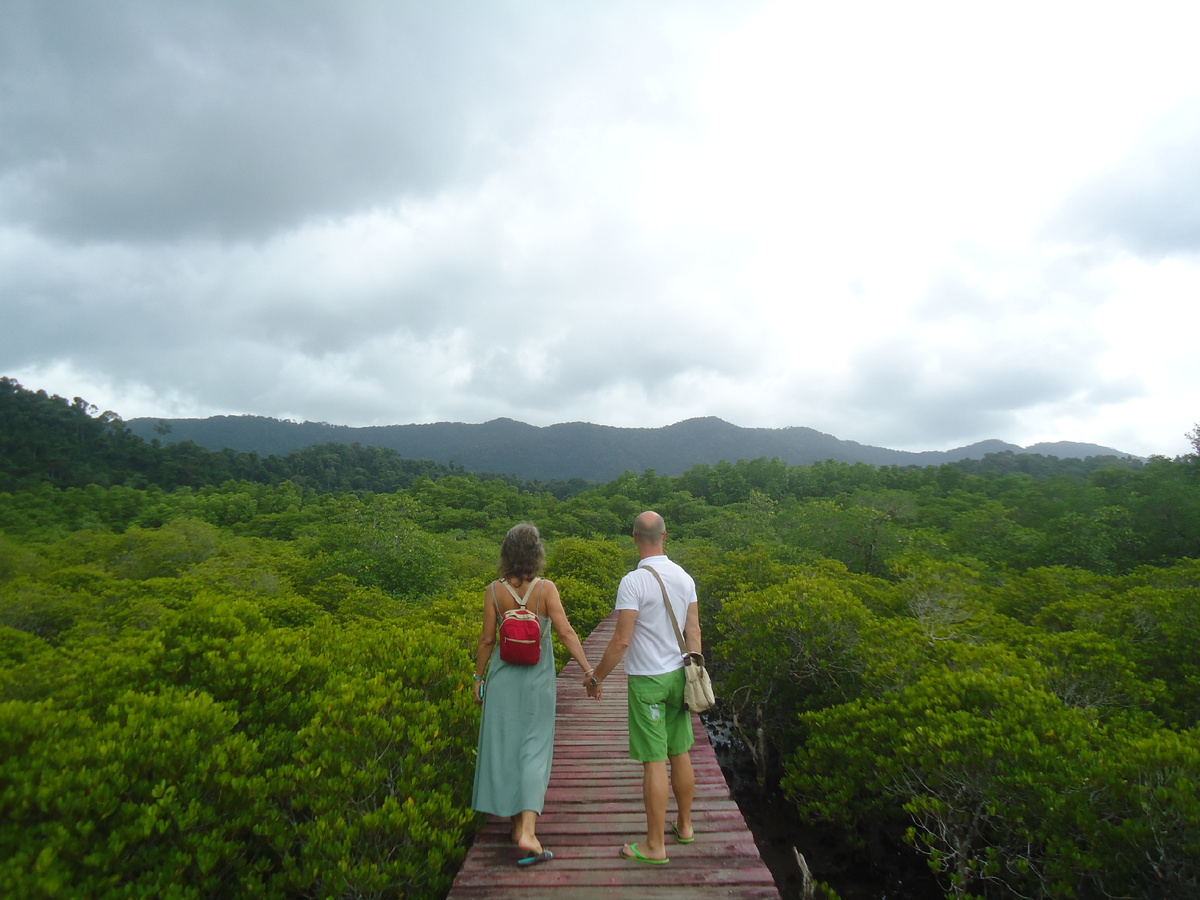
x=637, y=856
x=681, y=838
x=544, y=856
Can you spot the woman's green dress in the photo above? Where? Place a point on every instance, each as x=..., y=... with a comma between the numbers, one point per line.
x=516, y=735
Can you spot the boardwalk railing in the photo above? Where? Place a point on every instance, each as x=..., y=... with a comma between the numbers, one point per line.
x=594, y=805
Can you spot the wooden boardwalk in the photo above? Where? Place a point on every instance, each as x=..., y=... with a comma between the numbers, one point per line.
x=594, y=804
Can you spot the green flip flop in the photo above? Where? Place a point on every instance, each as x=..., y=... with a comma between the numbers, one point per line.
x=637, y=856
x=680, y=838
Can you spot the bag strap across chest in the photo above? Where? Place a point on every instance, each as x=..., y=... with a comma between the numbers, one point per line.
x=674, y=621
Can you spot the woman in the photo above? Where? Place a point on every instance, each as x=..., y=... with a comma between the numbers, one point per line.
x=516, y=735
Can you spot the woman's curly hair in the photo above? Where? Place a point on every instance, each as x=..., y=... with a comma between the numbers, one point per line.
x=521, y=553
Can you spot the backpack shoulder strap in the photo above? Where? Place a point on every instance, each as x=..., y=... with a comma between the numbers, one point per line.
x=521, y=601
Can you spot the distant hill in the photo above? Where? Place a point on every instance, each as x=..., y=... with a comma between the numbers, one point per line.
x=48, y=440
x=575, y=449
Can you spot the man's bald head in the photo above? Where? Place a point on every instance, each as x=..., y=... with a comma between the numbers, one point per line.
x=649, y=529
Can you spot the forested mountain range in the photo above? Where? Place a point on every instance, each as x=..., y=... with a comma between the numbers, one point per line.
x=574, y=449
x=69, y=444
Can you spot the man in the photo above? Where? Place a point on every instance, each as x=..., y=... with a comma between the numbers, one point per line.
x=660, y=727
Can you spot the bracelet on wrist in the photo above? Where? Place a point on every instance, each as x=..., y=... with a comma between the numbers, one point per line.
x=479, y=678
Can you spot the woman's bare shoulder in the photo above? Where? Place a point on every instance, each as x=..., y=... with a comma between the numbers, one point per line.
x=551, y=595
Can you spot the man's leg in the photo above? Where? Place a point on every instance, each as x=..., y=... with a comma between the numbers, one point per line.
x=648, y=743
x=654, y=792
x=683, y=784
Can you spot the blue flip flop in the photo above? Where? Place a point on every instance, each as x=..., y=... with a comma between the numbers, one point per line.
x=544, y=856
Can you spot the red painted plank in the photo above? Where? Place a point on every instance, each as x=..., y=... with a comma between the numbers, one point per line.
x=600, y=872
x=617, y=892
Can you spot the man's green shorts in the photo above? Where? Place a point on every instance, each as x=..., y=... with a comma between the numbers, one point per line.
x=659, y=725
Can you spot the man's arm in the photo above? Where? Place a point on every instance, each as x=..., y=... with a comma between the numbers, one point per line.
x=615, y=652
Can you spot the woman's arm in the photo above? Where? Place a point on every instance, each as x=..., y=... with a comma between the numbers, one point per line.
x=487, y=640
x=562, y=626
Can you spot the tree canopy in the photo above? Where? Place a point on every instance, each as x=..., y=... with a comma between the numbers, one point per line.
x=257, y=684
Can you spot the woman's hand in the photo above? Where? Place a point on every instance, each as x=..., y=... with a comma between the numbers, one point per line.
x=593, y=690
x=479, y=693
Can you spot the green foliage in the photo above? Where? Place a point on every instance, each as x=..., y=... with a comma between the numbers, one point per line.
x=1154, y=627
x=991, y=772
x=1024, y=595
x=1152, y=839
x=1090, y=671
x=372, y=542
x=18, y=646
x=380, y=787
x=223, y=675
x=736, y=572
x=861, y=536
x=43, y=610
x=461, y=504
x=158, y=796
x=587, y=573
x=600, y=563
x=245, y=759
x=943, y=597
x=789, y=647
x=177, y=720
x=989, y=533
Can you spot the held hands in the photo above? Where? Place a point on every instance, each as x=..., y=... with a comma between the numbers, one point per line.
x=594, y=692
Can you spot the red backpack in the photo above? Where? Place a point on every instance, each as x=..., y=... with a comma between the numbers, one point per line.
x=520, y=629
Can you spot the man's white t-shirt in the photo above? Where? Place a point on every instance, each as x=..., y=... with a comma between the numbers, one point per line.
x=653, y=648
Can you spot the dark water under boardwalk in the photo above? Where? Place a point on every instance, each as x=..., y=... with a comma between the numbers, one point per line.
x=778, y=828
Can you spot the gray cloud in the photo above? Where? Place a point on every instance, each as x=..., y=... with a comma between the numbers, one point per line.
x=181, y=184
x=376, y=212
x=925, y=393
x=141, y=120
x=471, y=327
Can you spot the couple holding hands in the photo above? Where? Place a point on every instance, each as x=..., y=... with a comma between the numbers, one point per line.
x=516, y=734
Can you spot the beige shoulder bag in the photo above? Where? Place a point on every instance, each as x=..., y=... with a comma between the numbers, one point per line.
x=697, y=691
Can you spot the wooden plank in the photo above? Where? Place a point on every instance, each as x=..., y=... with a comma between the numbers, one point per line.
x=620, y=892
x=601, y=872
x=594, y=804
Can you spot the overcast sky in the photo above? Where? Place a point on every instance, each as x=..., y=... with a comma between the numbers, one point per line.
x=914, y=225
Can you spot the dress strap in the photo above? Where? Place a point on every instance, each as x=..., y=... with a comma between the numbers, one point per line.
x=537, y=585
